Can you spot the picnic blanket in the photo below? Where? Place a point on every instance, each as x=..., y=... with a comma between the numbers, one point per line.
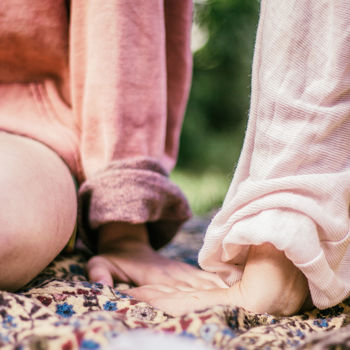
x=61, y=309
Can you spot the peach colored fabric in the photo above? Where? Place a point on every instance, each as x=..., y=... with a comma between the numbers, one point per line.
x=292, y=183
x=104, y=84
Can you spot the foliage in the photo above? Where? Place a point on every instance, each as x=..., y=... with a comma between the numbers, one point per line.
x=204, y=191
x=218, y=106
x=219, y=97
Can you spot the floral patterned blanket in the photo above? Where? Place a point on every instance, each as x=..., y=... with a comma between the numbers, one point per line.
x=60, y=309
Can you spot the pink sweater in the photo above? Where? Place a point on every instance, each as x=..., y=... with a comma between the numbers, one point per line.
x=104, y=84
x=292, y=183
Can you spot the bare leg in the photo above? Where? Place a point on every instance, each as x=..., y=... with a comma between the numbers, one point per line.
x=37, y=209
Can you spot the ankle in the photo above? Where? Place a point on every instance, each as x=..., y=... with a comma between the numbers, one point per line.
x=271, y=283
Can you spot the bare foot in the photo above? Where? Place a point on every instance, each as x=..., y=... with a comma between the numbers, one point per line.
x=270, y=284
x=126, y=256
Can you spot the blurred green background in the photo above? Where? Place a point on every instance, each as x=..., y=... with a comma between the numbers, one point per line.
x=223, y=38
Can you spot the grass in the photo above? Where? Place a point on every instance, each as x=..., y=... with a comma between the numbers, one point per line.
x=207, y=171
x=205, y=191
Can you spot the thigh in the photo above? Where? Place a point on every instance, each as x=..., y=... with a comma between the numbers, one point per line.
x=38, y=208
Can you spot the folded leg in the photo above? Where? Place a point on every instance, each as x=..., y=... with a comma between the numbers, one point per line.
x=38, y=208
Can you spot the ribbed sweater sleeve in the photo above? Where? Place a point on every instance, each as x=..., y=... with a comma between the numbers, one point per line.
x=130, y=71
x=292, y=183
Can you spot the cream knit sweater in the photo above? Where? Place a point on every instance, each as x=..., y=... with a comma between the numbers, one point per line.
x=292, y=183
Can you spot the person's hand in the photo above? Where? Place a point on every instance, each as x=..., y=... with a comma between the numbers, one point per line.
x=270, y=284
x=125, y=255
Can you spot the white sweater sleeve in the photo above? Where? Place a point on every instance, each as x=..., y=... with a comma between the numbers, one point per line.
x=292, y=183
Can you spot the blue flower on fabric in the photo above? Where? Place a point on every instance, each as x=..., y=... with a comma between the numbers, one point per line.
x=208, y=331
x=300, y=334
x=97, y=285
x=293, y=343
x=8, y=323
x=187, y=335
x=228, y=332
x=75, y=323
x=5, y=339
x=89, y=344
x=122, y=295
x=65, y=310
x=86, y=284
x=110, y=306
x=322, y=323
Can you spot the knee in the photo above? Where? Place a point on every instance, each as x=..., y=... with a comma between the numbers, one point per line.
x=20, y=228
x=37, y=217
x=37, y=197
x=29, y=240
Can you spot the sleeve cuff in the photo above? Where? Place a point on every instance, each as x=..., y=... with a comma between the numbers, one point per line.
x=292, y=232
x=137, y=191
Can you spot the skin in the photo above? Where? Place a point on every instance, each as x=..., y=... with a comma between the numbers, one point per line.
x=125, y=255
x=34, y=182
x=33, y=221
x=270, y=282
